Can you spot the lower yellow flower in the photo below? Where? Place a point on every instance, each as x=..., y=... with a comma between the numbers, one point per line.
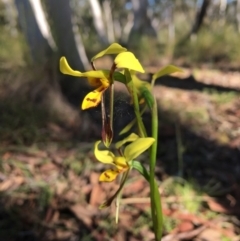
x=121, y=163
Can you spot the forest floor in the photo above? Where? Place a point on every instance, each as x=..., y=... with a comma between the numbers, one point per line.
x=49, y=187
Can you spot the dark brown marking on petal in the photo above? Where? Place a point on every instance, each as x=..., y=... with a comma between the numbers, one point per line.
x=92, y=100
x=106, y=175
x=102, y=88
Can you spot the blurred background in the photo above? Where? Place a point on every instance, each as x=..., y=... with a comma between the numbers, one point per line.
x=49, y=186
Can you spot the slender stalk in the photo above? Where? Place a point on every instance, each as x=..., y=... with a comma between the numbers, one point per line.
x=132, y=88
x=154, y=192
x=111, y=108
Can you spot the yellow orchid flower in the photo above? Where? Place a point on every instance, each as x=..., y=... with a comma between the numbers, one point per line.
x=96, y=78
x=121, y=163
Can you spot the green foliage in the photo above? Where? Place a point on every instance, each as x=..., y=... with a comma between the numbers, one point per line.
x=11, y=49
x=222, y=97
x=218, y=45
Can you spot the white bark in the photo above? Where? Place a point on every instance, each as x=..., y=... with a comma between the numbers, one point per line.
x=223, y=7
x=109, y=20
x=98, y=21
x=42, y=22
x=142, y=23
x=68, y=38
x=40, y=48
x=238, y=15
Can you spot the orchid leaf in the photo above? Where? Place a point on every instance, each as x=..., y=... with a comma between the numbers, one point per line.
x=170, y=69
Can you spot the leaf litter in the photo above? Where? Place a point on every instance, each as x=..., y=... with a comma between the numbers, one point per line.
x=50, y=191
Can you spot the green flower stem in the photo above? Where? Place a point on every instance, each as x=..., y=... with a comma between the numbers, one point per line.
x=118, y=199
x=111, y=106
x=132, y=88
x=111, y=96
x=154, y=193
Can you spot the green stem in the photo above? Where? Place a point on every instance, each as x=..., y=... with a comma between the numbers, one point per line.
x=111, y=106
x=132, y=88
x=111, y=96
x=108, y=202
x=154, y=193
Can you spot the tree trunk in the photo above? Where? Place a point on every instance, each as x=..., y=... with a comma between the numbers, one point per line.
x=98, y=21
x=238, y=15
x=68, y=39
x=201, y=13
x=34, y=26
x=109, y=20
x=142, y=25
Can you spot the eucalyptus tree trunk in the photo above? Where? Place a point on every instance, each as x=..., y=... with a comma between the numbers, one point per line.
x=142, y=25
x=46, y=90
x=98, y=21
x=200, y=15
x=109, y=20
x=33, y=23
x=68, y=38
x=238, y=15
x=222, y=11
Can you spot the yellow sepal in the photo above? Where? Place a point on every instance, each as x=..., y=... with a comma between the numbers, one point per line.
x=137, y=147
x=106, y=157
x=129, y=61
x=132, y=137
x=66, y=69
x=114, y=48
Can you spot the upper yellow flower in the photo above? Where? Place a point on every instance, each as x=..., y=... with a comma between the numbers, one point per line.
x=121, y=163
x=100, y=78
x=96, y=78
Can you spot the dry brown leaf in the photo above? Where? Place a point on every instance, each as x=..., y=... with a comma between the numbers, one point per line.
x=48, y=167
x=184, y=226
x=134, y=187
x=60, y=187
x=223, y=207
x=12, y=182
x=85, y=214
x=97, y=195
x=6, y=156
x=94, y=176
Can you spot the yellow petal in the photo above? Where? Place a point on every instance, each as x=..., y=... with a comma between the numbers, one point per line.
x=93, y=98
x=114, y=48
x=95, y=82
x=128, y=60
x=105, y=156
x=108, y=175
x=66, y=69
x=121, y=163
x=137, y=147
x=132, y=137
